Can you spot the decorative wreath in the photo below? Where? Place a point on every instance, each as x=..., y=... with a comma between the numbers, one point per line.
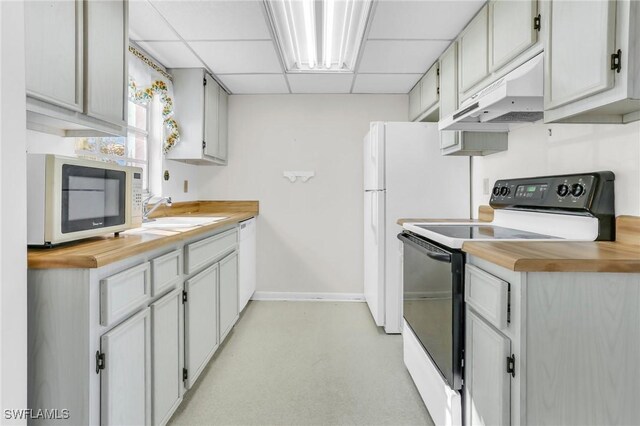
x=144, y=96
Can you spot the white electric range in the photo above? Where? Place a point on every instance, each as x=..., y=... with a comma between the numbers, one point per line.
x=576, y=207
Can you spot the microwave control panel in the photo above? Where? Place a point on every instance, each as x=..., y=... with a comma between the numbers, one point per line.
x=136, y=197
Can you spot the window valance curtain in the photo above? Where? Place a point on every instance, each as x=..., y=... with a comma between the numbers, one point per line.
x=148, y=79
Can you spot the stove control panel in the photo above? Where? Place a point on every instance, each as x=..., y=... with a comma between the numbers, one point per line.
x=589, y=194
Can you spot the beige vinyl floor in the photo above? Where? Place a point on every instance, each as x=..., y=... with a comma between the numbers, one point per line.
x=305, y=363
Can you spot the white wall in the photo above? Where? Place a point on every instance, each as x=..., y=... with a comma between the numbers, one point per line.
x=309, y=234
x=13, y=213
x=571, y=148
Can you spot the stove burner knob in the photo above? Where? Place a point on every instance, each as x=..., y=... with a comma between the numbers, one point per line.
x=562, y=190
x=504, y=191
x=496, y=191
x=577, y=189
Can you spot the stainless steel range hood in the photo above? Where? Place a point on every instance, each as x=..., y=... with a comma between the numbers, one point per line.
x=515, y=98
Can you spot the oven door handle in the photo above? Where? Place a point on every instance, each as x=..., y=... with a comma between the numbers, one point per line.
x=440, y=257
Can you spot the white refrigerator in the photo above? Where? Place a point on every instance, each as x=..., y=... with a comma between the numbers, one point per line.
x=405, y=176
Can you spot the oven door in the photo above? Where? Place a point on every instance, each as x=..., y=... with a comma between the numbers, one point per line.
x=92, y=198
x=433, y=303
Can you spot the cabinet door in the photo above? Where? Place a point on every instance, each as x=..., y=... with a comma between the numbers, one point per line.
x=211, y=136
x=511, y=30
x=223, y=125
x=126, y=377
x=487, y=383
x=201, y=321
x=54, y=52
x=166, y=356
x=106, y=65
x=228, y=293
x=474, y=51
x=414, y=101
x=578, y=57
x=429, y=88
x=449, y=80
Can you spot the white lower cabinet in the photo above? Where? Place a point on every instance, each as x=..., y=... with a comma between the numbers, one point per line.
x=167, y=356
x=567, y=353
x=126, y=372
x=134, y=365
x=201, y=321
x=228, y=293
x=487, y=383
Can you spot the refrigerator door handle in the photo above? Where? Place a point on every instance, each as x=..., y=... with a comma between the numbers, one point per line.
x=374, y=214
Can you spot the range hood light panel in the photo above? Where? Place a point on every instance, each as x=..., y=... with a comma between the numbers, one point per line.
x=319, y=35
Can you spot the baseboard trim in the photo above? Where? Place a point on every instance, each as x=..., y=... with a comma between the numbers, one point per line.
x=307, y=297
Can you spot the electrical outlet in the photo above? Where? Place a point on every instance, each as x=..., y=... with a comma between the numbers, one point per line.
x=186, y=186
x=486, y=189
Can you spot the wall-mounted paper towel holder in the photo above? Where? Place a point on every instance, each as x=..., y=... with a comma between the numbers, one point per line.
x=293, y=176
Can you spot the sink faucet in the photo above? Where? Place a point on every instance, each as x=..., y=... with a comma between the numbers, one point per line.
x=147, y=211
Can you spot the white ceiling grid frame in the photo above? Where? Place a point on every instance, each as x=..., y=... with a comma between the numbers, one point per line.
x=416, y=31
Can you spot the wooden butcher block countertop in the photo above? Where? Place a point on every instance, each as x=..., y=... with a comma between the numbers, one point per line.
x=101, y=251
x=622, y=255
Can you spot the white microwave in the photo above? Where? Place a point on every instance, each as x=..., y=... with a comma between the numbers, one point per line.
x=71, y=198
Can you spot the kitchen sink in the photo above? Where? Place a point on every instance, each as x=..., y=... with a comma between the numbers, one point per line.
x=181, y=222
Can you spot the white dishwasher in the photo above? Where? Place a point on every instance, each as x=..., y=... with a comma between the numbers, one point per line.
x=247, y=262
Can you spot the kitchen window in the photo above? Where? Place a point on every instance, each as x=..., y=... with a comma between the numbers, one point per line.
x=132, y=150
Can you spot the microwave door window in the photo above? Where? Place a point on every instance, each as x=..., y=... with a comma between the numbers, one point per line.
x=92, y=198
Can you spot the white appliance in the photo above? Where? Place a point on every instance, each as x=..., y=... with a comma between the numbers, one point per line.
x=547, y=208
x=515, y=98
x=70, y=198
x=404, y=176
x=247, y=262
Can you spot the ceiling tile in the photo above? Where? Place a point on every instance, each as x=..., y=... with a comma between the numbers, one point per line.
x=393, y=56
x=171, y=54
x=422, y=19
x=238, y=57
x=216, y=20
x=145, y=23
x=385, y=83
x=240, y=84
x=320, y=83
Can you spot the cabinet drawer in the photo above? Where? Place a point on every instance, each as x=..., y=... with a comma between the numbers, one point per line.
x=121, y=294
x=165, y=272
x=487, y=295
x=204, y=252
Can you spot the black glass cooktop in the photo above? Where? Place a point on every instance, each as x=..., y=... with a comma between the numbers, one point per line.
x=484, y=232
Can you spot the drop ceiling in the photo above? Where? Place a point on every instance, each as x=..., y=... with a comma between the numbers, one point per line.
x=232, y=39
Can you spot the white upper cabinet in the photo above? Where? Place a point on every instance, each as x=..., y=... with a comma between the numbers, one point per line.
x=223, y=126
x=592, y=70
x=448, y=91
x=429, y=89
x=201, y=113
x=449, y=80
x=414, y=101
x=578, y=55
x=106, y=61
x=76, y=68
x=54, y=64
x=211, y=135
x=512, y=30
x=473, y=55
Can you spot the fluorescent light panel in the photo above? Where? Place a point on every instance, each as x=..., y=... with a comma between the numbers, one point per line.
x=319, y=35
